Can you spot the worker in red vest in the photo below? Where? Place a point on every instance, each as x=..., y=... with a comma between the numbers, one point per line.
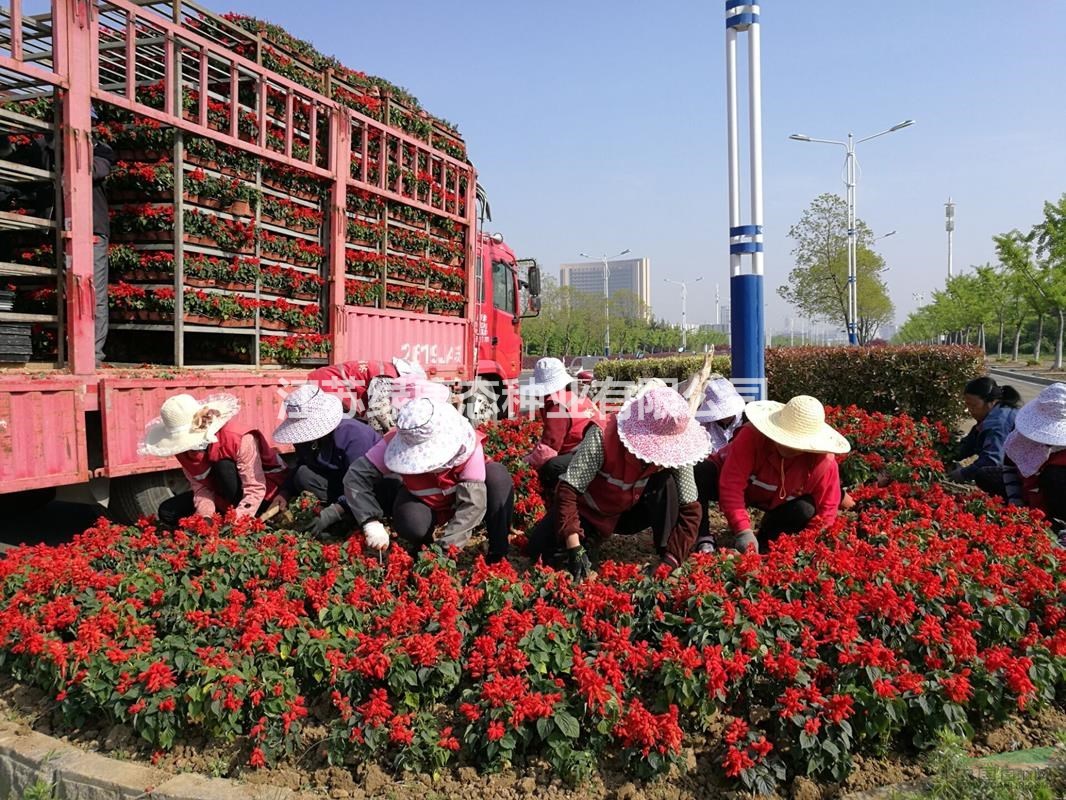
x=365, y=386
x=782, y=463
x=448, y=486
x=565, y=414
x=226, y=467
x=633, y=474
x=1035, y=465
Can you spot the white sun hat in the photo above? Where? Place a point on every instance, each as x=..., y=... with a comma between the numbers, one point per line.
x=430, y=435
x=185, y=423
x=407, y=388
x=310, y=414
x=798, y=424
x=720, y=401
x=405, y=367
x=656, y=427
x=549, y=377
x=1043, y=419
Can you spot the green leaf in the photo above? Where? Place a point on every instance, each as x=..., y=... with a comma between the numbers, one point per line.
x=567, y=724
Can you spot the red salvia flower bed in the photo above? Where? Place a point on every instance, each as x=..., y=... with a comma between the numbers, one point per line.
x=922, y=611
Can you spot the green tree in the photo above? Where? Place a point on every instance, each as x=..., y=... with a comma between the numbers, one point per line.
x=818, y=284
x=1049, y=237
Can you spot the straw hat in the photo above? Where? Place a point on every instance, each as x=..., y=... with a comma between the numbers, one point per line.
x=549, y=377
x=656, y=427
x=1043, y=419
x=185, y=423
x=799, y=424
x=720, y=401
x=407, y=388
x=310, y=414
x=430, y=436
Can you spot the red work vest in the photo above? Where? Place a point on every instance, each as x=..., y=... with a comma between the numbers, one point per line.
x=618, y=485
x=350, y=380
x=437, y=489
x=1034, y=498
x=198, y=463
x=581, y=412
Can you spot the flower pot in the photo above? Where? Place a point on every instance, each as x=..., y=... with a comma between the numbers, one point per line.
x=237, y=323
x=157, y=316
x=305, y=295
x=123, y=315
x=273, y=324
x=394, y=304
x=199, y=283
x=234, y=286
x=200, y=200
x=199, y=319
x=242, y=208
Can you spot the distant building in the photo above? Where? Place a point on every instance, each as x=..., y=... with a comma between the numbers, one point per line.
x=631, y=275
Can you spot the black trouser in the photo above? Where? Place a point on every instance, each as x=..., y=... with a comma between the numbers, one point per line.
x=551, y=470
x=789, y=517
x=706, y=474
x=326, y=488
x=990, y=481
x=1052, y=483
x=414, y=521
x=225, y=482
x=657, y=508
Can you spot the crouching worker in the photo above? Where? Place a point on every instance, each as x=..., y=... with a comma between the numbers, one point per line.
x=566, y=416
x=364, y=387
x=634, y=474
x=448, y=486
x=225, y=467
x=326, y=444
x=784, y=464
x=721, y=414
x=993, y=408
x=1035, y=472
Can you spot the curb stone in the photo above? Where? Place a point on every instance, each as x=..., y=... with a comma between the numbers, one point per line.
x=27, y=758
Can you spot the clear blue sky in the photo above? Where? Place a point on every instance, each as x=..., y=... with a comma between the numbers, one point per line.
x=597, y=125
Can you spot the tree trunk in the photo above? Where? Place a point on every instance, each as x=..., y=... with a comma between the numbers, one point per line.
x=1058, y=340
x=1039, y=337
x=1017, y=341
x=999, y=347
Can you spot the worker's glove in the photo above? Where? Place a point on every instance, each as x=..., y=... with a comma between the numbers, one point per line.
x=578, y=563
x=956, y=475
x=745, y=542
x=377, y=538
x=277, y=505
x=326, y=519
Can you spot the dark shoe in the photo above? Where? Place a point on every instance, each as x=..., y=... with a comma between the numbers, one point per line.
x=706, y=547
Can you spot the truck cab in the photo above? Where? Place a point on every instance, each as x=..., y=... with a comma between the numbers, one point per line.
x=508, y=290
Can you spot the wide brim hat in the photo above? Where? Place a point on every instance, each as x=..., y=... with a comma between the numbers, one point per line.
x=549, y=376
x=408, y=387
x=430, y=435
x=1043, y=419
x=721, y=401
x=310, y=414
x=798, y=424
x=657, y=428
x=173, y=432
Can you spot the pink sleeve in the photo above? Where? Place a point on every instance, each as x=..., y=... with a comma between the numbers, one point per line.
x=203, y=499
x=474, y=468
x=376, y=454
x=250, y=470
x=825, y=489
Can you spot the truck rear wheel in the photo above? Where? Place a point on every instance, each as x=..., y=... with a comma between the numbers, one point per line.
x=136, y=496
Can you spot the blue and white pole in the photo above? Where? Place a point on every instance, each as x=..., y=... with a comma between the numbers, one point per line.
x=745, y=288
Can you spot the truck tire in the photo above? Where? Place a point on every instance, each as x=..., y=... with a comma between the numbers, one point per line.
x=136, y=496
x=485, y=401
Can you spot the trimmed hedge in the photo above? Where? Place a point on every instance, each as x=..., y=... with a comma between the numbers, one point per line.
x=921, y=381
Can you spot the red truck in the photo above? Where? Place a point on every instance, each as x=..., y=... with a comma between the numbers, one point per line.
x=271, y=211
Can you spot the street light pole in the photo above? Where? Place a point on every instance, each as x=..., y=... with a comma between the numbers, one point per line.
x=606, y=296
x=850, y=181
x=684, y=309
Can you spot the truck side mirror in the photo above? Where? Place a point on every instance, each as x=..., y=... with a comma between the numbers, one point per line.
x=533, y=279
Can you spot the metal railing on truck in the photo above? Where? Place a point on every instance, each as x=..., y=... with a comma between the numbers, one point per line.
x=197, y=84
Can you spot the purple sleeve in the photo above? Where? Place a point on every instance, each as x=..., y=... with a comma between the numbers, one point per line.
x=474, y=468
x=376, y=456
